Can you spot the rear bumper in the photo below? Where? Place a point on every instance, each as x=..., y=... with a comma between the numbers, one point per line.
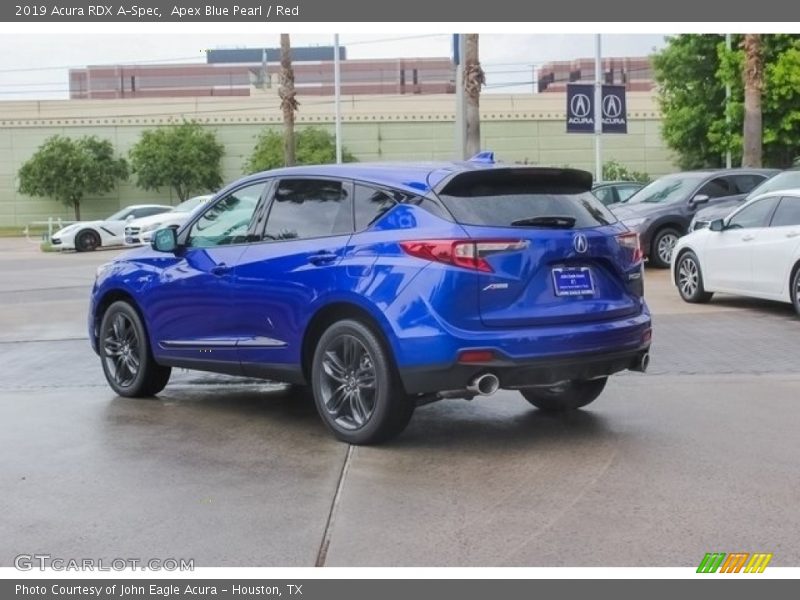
x=517, y=374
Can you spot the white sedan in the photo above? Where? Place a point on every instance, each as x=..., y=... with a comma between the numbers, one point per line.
x=141, y=230
x=90, y=235
x=755, y=251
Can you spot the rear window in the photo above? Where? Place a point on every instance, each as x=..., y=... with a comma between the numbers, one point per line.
x=501, y=208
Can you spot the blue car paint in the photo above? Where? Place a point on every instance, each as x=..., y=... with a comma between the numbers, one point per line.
x=236, y=308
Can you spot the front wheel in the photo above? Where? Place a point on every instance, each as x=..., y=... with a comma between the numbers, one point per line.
x=795, y=290
x=690, y=279
x=125, y=353
x=87, y=241
x=663, y=245
x=566, y=396
x=356, y=391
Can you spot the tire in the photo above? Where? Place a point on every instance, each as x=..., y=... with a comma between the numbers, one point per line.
x=794, y=289
x=356, y=389
x=565, y=397
x=689, y=279
x=662, y=247
x=87, y=241
x=126, y=356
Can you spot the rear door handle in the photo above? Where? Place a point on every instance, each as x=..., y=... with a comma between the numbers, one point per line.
x=220, y=269
x=748, y=238
x=792, y=234
x=323, y=258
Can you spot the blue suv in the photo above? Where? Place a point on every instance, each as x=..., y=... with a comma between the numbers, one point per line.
x=383, y=287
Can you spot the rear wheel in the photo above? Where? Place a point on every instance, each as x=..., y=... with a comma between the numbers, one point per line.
x=690, y=279
x=663, y=245
x=566, y=396
x=356, y=390
x=125, y=353
x=86, y=241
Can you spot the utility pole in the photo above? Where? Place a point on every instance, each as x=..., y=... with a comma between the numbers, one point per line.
x=337, y=91
x=598, y=109
x=461, y=119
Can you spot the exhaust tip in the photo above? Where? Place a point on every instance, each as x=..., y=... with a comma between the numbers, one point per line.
x=644, y=362
x=486, y=384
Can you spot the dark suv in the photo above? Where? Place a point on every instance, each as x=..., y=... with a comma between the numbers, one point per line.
x=661, y=211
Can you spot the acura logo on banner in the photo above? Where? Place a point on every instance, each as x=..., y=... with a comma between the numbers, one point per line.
x=580, y=108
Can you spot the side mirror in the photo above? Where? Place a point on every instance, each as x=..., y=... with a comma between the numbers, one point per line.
x=699, y=199
x=717, y=225
x=130, y=218
x=165, y=240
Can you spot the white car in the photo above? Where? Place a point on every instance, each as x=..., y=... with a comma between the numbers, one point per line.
x=755, y=251
x=90, y=235
x=141, y=231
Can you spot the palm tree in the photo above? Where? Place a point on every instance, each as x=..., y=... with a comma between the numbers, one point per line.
x=289, y=103
x=753, y=76
x=474, y=78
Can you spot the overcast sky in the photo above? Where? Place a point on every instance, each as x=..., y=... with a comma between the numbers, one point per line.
x=36, y=66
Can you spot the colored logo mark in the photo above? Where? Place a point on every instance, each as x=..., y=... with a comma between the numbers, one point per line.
x=735, y=562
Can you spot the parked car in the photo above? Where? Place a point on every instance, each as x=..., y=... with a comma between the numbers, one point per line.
x=140, y=231
x=753, y=252
x=383, y=287
x=615, y=192
x=90, y=235
x=661, y=211
x=785, y=180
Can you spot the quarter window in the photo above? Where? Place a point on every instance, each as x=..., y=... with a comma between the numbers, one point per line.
x=754, y=215
x=370, y=205
x=787, y=213
x=309, y=208
x=227, y=220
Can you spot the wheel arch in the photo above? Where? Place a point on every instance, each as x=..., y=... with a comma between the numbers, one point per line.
x=91, y=230
x=339, y=310
x=106, y=300
x=792, y=272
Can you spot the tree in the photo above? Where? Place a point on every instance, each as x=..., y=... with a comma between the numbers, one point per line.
x=616, y=171
x=289, y=103
x=314, y=146
x=184, y=157
x=68, y=170
x=753, y=76
x=474, y=78
x=692, y=71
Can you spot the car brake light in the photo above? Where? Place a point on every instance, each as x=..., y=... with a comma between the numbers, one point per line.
x=630, y=240
x=469, y=254
x=475, y=356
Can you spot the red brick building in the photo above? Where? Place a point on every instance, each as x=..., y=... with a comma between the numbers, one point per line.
x=636, y=73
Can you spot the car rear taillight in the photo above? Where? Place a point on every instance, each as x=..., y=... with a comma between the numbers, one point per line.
x=470, y=254
x=630, y=240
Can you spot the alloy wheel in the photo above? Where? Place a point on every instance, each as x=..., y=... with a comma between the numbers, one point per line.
x=688, y=277
x=666, y=244
x=121, y=348
x=349, y=382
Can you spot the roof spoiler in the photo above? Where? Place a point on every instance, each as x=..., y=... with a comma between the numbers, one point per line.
x=516, y=180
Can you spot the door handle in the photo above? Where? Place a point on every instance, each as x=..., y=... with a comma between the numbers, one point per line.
x=748, y=238
x=220, y=269
x=323, y=258
x=792, y=234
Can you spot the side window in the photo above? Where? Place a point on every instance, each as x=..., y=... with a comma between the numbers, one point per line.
x=309, y=208
x=605, y=195
x=626, y=192
x=370, y=205
x=716, y=188
x=227, y=221
x=754, y=215
x=788, y=212
x=745, y=183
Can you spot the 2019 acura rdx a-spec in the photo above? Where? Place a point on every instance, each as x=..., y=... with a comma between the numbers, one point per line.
x=384, y=287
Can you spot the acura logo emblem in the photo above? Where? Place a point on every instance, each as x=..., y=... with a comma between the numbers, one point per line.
x=612, y=107
x=580, y=243
x=580, y=105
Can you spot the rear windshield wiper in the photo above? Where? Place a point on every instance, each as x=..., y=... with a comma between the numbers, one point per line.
x=554, y=222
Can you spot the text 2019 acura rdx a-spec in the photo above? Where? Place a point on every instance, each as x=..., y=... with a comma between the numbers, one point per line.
x=383, y=287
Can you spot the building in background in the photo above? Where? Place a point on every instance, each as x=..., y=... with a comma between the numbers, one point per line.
x=635, y=73
x=242, y=71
